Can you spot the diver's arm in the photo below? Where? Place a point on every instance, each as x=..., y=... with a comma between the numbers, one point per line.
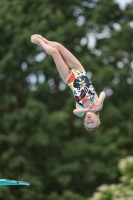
x=80, y=112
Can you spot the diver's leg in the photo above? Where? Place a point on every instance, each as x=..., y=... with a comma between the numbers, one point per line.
x=62, y=67
x=68, y=57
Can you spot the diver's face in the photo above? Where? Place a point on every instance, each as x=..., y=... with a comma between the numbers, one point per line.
x=91, y=120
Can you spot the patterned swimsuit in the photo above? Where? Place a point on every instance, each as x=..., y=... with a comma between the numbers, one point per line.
x=81, y=87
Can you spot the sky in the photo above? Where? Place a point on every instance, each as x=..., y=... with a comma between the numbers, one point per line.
x=123, y=3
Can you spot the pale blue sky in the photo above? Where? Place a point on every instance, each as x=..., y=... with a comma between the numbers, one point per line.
x=123, y=3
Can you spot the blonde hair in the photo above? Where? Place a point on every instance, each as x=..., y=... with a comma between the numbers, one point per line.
x=98, y=123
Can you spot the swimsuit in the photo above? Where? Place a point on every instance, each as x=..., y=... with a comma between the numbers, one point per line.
x=81, y=87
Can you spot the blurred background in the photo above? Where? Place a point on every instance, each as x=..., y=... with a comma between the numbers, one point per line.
x=41, y=141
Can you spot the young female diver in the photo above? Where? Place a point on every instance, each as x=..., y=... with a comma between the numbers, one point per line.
x=73, y=74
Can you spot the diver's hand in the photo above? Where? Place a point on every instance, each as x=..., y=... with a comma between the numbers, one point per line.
x=97, y=106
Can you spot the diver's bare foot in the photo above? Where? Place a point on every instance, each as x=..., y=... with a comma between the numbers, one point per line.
x=49, y=50
x=35, y=39
x=42, y=38
x=50, y=43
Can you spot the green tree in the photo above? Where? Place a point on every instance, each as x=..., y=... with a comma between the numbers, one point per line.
x=41, y=141
x=123, y=190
